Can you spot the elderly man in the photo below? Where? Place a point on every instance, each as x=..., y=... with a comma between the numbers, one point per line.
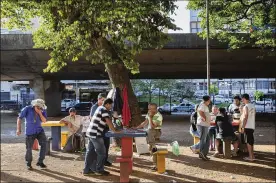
x=154, y=121
x=74, y=123
x=34, y=115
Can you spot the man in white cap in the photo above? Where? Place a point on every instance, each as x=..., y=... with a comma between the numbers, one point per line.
x=34, y=115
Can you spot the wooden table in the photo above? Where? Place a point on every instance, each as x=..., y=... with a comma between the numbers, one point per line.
x=126, y=159
x=55, y=132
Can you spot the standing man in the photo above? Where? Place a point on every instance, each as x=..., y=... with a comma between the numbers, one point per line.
x=203, y=124
x=154, y=121
x=34, y=115
x=235, y=105
x=101, y=98
x=248, y=125
x=96, y=146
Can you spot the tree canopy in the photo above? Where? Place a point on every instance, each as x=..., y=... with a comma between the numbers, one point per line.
x=102, y=31
x=229, y=17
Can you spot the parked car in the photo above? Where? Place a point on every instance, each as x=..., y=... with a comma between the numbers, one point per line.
x=67, y=103
x=184, y=107
x=82, y=106
x=221, y=99
x=267, y=102
x=166, y=108
x=9, y=105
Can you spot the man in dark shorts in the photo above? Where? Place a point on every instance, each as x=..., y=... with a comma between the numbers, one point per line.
x=248, y=125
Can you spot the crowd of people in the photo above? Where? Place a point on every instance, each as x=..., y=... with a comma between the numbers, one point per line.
x=210, y=127
x=216, y=126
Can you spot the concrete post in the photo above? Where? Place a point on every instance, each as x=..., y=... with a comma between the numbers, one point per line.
x=50, y=91
x=53, y=90
x=38, y=87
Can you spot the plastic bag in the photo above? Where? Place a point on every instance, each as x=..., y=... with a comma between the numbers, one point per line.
x=175, y=148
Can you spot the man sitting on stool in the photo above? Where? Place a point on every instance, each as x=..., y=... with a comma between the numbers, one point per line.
x=154, y=121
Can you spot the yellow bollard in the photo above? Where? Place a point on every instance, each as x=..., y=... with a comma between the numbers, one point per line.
x=64, y=136
x=161, y=160
x=196, y=140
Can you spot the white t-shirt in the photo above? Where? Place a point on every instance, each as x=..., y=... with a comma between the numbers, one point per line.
x=251, y=115
x=204, y=108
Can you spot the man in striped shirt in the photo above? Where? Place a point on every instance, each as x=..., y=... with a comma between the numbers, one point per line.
x=95, y=132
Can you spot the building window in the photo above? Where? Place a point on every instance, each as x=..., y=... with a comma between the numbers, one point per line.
x=195, y=27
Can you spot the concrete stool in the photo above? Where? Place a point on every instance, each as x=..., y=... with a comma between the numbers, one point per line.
x=35, y=145
x=64, y=136
x=196, y=140
x=48, y=146
x=161, y=160
x=227, y=148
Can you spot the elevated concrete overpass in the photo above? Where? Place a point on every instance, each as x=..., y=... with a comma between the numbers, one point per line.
x=183, y=57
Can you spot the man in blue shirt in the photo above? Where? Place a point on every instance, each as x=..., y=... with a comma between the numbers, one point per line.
x=34, y=115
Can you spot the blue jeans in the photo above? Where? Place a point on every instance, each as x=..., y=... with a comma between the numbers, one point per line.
x=95, y=155
x=204, y=139
x=41, y=137
x=195, y=134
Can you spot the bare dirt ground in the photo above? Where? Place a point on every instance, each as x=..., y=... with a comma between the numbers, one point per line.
x=186, y=167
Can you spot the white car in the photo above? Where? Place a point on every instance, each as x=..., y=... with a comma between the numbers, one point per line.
x=221, y=99
x=267, y=102
x=166, y=108
x=184, y=107
x=67, y=103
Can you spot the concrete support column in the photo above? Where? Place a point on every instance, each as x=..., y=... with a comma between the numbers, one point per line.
x=53, y=91
x=38, y=87
x=50, y=91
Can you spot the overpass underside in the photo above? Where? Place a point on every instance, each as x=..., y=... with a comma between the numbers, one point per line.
x=154, y=64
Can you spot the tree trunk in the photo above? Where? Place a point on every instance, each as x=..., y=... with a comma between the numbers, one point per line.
x=119, y=77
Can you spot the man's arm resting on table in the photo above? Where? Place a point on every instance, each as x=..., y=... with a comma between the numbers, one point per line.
x=143, y=124
x=109, y=123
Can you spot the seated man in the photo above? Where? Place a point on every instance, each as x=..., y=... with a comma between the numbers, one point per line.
x=154, y=121
x=75, y=140
x=225, y=131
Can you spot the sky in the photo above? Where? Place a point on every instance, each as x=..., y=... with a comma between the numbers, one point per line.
x=182, y=18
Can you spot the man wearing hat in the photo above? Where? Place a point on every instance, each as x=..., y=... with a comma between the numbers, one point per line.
x=34, y=115
x=101, y=98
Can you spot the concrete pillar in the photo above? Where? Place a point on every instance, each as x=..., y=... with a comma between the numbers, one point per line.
x=53, y=91
x=38, y=87
x=50, y=91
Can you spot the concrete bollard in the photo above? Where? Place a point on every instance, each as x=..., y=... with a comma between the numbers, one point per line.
x=227, y=148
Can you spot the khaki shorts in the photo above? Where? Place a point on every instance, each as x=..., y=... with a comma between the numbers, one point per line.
x=152, y=135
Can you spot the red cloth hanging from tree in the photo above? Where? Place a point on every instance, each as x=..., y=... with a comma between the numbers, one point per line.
x=126, y=110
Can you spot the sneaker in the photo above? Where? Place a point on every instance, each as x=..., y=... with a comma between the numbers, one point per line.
x=103, y=173
x=107, y=163
x=234, y=154
x=29, y=167
x=41, y=165
x=154, y=168
x=248, y=159
x=216, y=155
x=88, y=173
x=202, y=156
x=192, y=149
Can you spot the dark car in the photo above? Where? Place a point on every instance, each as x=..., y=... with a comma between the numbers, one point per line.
x=9, y=105
x=82, y=106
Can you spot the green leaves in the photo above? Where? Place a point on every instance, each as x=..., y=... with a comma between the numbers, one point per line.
x=227, y=18
x=95, y=30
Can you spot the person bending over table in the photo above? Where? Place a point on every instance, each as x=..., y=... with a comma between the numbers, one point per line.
x=96, y=151
x=225, y=132
x=75, y=140
x=154, y=121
